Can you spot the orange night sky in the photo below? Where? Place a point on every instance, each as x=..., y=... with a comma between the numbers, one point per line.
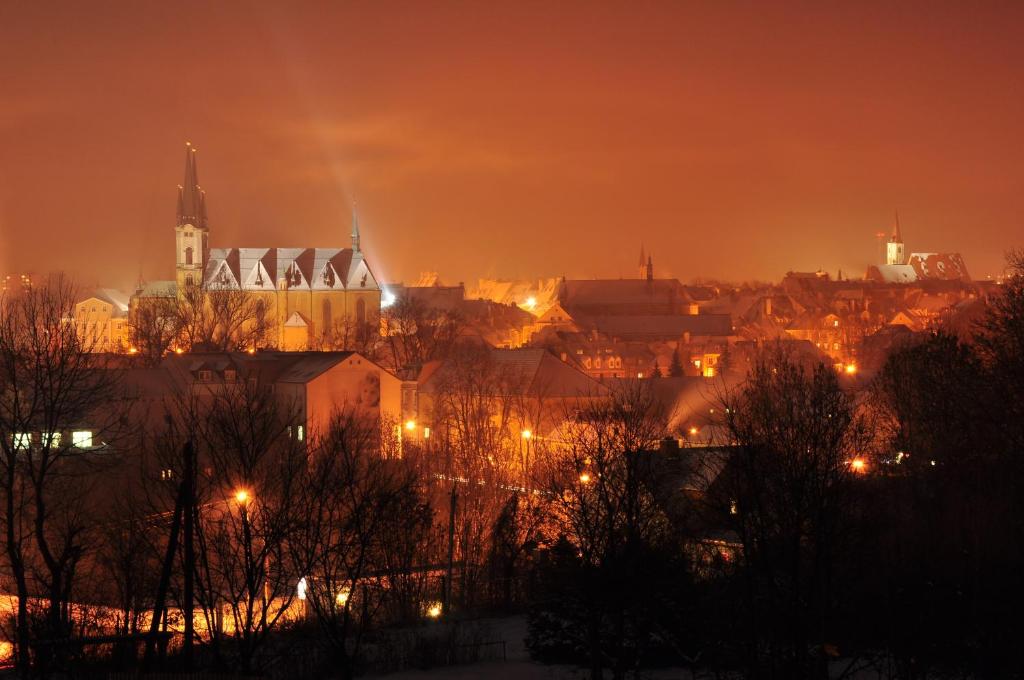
x=733, y=139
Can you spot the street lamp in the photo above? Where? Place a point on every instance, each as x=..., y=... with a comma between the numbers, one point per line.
x=241, y=496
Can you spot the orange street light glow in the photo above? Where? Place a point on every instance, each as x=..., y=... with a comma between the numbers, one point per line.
x=584, y=478
x=410, y=425
x=851, y=369
x=859, y=465
x=527, y=434
x=241, y=496
x=694, y=430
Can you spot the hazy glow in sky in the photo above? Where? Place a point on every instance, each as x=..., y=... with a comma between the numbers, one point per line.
x=733, y=140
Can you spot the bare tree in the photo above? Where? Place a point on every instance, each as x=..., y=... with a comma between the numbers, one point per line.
x=252, y=455
x=154, y=326
x=416, y=334
x=789, y=496
x=58, y=403
x=612, y=527
x=359, y=504
x=222, y=319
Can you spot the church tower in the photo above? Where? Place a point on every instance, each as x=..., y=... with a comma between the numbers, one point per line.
x=894, y=253
x=192, y=246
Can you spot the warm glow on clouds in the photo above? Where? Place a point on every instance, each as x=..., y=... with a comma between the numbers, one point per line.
x=736, y=141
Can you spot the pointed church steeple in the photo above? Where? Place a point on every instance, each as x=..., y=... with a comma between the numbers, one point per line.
x=894, y=249
x=643, y=262
x=191, y=197
x=355, y=232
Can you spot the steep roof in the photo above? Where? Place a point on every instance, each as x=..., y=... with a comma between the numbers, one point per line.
x=296, y=268
x=653, y=326
x=625, y=293
x=528, y=372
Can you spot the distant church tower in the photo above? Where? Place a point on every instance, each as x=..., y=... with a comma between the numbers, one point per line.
x=192, y=243
x=894, y=248
x=646, y=266
x=356, y=251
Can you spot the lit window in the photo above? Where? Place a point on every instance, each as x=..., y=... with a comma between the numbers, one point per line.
x=301, y=432
x=81, y=439
x=50, y=439
x=22, y=440
x=205, y=375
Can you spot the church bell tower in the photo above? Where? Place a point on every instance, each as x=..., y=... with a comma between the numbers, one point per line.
x=894, y=253
x=191, y=233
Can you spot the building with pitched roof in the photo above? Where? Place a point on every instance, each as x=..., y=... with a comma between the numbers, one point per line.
x=308, y=294
x=101, y=320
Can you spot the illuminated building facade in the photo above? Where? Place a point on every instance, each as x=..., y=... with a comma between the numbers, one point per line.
x=312, y=296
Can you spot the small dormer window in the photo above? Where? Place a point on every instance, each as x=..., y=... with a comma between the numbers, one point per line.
x=205, y=375
x=229, y=375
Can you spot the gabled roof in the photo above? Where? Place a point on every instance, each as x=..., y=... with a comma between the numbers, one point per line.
x=654, y=326
x=621, y=292
x=528, y=372
x=294, y=268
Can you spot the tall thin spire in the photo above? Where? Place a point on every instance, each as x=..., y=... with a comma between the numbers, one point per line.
x=191, y=197
x=643, y=262
x=355, y=231
x=897, y=234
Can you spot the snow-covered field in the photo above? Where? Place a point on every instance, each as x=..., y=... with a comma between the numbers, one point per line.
x=518, y=665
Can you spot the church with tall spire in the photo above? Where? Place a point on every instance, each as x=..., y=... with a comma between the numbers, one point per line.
x=313, y=297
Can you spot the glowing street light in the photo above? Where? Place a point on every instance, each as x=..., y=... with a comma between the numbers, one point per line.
x=850, y=369
x=693, y=430
x=241, y=496
x=526, y=434
x=584, y=478
x=859, y=465
x=341, y=598
x=434, y=610
x=410, y=425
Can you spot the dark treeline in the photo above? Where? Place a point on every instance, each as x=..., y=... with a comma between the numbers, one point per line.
x=841, y=528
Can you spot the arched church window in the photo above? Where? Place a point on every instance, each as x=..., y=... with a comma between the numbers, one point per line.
x=326, y=309
x=188, y=256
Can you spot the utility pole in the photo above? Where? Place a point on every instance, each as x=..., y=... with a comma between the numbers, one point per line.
x=189, y=503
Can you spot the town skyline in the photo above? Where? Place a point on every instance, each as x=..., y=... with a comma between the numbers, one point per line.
x=726, y=154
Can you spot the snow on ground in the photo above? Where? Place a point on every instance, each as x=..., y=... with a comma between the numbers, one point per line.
x=518, y=665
